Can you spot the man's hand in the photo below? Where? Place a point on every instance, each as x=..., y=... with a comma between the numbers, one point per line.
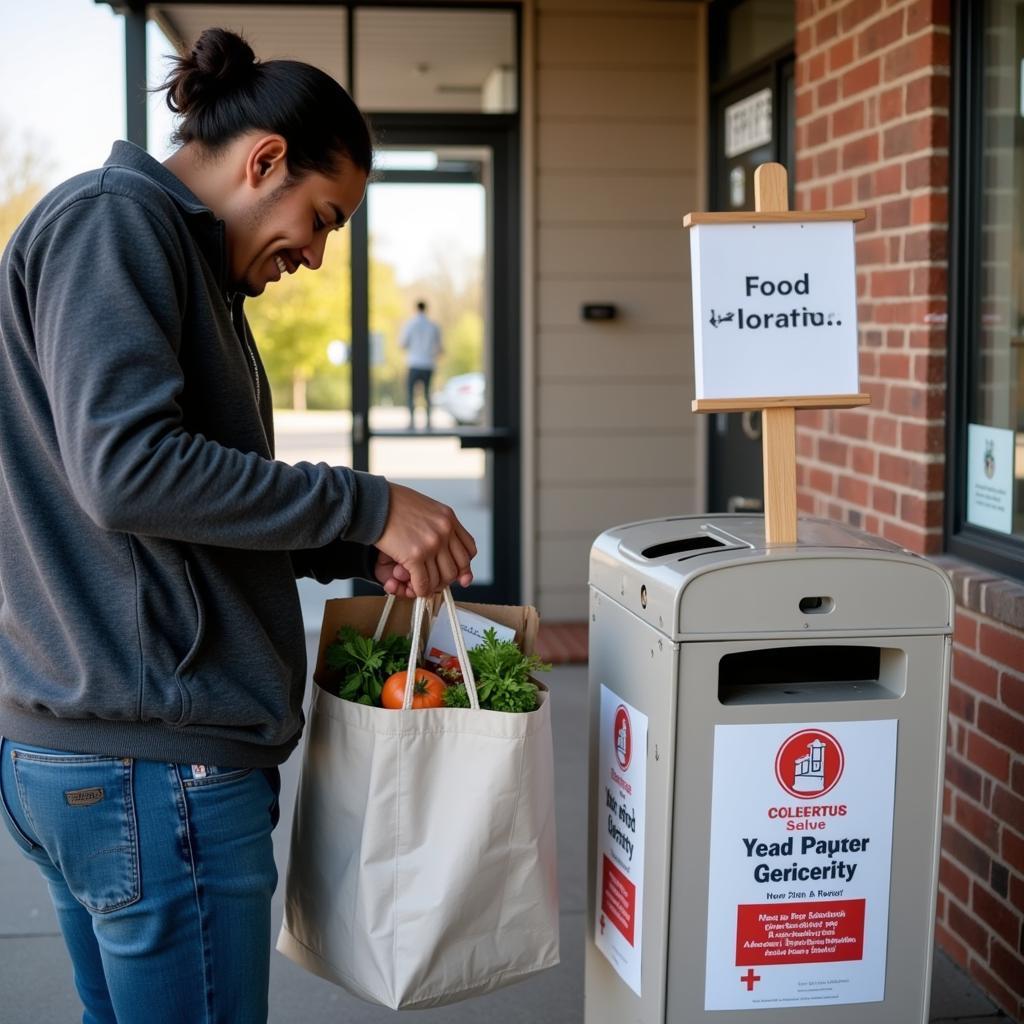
x=424, y=547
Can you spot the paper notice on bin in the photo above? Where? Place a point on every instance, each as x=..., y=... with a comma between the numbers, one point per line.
x=441, y=643
x=801, y=844
x=621, y=798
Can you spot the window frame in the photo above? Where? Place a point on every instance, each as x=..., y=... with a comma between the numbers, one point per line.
x=1004, y=555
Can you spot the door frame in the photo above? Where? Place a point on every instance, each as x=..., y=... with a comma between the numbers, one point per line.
x=499, y=133
x=777, y=70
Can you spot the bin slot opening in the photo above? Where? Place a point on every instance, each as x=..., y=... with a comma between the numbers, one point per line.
x=816, y=605
x=812, y=673
x=675, y=547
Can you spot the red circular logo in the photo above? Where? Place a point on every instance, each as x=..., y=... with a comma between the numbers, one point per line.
x=623, y=737
x=809, y=763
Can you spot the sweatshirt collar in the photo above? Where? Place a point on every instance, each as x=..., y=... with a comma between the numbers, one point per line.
x=207, y=229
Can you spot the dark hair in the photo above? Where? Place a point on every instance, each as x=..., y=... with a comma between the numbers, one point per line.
x=421, y=306
x=220, y=91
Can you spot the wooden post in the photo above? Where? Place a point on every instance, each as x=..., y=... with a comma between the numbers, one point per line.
x=778, y=424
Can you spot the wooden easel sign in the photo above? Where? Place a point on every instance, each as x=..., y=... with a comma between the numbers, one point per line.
x=775, y=323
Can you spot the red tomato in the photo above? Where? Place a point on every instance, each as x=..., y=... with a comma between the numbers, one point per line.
x=427, y=690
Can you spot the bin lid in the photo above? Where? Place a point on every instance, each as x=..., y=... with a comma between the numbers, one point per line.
x=715, y=577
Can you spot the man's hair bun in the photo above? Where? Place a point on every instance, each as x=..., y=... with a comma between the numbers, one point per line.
x=220, y=91
x=220, y=61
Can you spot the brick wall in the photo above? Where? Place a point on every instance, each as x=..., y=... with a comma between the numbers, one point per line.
x=873, y=88
x=872, y=99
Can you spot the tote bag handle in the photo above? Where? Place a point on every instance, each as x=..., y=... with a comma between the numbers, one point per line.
x=421, y=610
x=460, y=647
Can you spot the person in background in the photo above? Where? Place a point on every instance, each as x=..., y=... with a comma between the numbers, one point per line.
x=152, y=651
x=421, y=339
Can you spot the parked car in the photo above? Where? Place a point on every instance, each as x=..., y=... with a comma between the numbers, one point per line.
x=463, y=396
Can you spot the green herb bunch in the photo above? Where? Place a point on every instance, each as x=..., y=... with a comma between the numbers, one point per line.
x=502, y=675
x=365, y=664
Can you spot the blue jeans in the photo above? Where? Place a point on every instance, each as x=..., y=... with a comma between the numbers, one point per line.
x=161, y=876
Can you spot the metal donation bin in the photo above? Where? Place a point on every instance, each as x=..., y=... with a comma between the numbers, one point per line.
x=767, y=726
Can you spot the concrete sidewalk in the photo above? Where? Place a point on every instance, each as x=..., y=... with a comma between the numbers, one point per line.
x=35, y=975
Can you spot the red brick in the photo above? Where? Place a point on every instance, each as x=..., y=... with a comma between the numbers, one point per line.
x=885, y=430
x=932, y=208
x=1002, y=645
x=954, y=879
x=925, y=246
x=834, y=452
x=1009, y=808
x=827, y=93
x=862, y=77
x=1008, y=966
x=923, y=15
x=871, y=250
x=854, y=13
x=922, y=438
x=894, y=365
x=1011, y=689
x=988, y=756
x=826, y=163
x=996, y=990
x=1004, y=921
x=880, y=34
x=1017, y=776
x=890, y=104
x=825, y=28
x=821, y=481
x=921, y=51
x=965, y=629
x=1001, y=726
x=967, y=928
x=978, y=675
x=863, y=460
x=855, y=491
x=907, y=537
x=852, y=424
x=963, y=777
x=966, y=851
x=908, y=137
x=840, y=53
x=816, y=132
x=890, y=283
x=842, y=193
x=930, y=90
x=861, y=151
x=961, y=703
x=1012, y=852
x=930, y=368
x=918, y=511
x=978, y=823
x=883, y=500
x=927, y=172
x=952, y=946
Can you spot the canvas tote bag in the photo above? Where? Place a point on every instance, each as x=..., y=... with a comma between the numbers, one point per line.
x=423, y=865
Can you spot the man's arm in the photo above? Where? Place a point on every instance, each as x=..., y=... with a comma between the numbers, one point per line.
x=107, y=329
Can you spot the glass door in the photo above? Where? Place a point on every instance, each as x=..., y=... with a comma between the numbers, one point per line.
x=435, y=389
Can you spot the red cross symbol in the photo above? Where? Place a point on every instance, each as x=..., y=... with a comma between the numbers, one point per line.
x=750, y=979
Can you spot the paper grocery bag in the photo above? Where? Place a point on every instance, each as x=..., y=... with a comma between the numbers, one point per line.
x=423, y=864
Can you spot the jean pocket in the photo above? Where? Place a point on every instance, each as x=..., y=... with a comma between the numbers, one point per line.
x=81, y=808
x=205, y=775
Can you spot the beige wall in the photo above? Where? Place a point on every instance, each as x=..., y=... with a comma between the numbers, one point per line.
x=618, y=147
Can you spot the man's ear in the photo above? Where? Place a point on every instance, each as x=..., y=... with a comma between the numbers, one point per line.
x=266, y=161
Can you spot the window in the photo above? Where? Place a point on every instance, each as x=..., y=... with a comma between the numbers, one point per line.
x=985, y=520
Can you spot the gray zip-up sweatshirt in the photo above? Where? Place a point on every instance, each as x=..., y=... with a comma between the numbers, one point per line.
x=149, y=542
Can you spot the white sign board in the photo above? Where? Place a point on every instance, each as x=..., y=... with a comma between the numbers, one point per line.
x=990, y=477
x=621, y=797
x=801, y=844
x=748, y=123
x=774, y=309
